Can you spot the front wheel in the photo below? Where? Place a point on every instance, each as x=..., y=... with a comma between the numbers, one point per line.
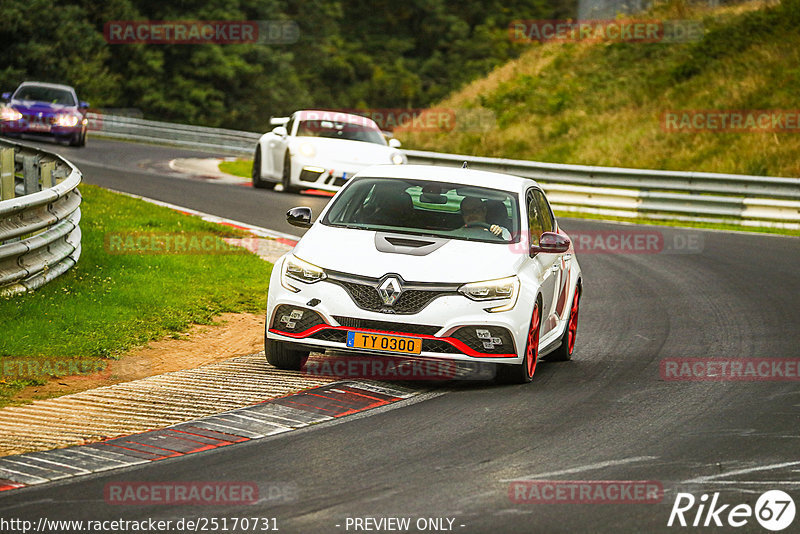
x=256, y=172
x=287, y=174
x=564, y=352
x=523, y=373
x=281, y=356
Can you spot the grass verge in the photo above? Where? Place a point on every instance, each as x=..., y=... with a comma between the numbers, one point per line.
x=111, y=302
x=240, y=167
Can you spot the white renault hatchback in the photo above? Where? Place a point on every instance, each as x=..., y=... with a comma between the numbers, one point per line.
x=432, y=262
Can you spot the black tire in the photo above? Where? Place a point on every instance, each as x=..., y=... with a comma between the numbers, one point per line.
x=522, y=373
x=287, y=172
x=281, y=356
x=564, y=352
x=82, y=141
x=256, y=172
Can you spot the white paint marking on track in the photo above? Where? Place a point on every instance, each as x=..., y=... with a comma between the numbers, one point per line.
x=712, y=478
x=581, y=469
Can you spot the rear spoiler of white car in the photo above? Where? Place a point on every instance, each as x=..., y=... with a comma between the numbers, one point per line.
x=278, y=121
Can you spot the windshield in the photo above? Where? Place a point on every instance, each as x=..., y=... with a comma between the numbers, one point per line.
x=45, y=94
x=340, y=130
x=453, y=211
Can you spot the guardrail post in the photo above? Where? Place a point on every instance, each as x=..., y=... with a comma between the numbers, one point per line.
x=30, y=172
x=46, y=170
x=6, y=173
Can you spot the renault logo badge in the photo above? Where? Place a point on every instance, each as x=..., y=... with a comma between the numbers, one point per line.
x=390, y=290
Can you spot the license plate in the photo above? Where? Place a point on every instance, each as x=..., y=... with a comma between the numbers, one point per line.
x=365, y=340
x=38, y=127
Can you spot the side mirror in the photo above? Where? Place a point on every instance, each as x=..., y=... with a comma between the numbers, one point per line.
x=280, y=130
x=83, y=105
x=300, y=217
x=395, y=143
x=278, y=121
x=551, y=243
x=6, y=96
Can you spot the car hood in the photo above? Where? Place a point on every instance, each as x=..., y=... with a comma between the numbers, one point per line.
x=341, y=150
x=28, y=107
x=354, y=251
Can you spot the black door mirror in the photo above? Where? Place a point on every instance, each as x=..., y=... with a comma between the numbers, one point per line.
x=300, y=217
x=551, y=243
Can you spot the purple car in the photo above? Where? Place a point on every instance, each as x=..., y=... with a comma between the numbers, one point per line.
x=48, y=109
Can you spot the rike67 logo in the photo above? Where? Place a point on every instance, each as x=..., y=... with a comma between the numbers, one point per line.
x=774, y=510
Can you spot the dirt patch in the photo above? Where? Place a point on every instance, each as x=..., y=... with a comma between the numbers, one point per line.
x=234, y=334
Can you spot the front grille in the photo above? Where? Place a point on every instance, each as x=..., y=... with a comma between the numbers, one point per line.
x=411, y=300
x=486, y=339
x=334, y=336
x=387, y=326
x=442, y=347
x=44, y=120
x=286, y=319
x=428, y=345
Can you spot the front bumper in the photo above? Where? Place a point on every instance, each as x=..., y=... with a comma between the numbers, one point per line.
x=451, y=327
x=324, y=175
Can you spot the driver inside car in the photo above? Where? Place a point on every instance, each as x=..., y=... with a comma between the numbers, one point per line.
x=473, y=211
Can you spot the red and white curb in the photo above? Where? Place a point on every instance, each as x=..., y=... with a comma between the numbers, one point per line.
x=270, y=417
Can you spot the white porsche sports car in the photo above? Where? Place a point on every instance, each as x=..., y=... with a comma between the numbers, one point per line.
x=320, y=150
x=432, y=262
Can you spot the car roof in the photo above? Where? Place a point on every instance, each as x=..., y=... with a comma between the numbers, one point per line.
x=437, y=173
x=52, y=85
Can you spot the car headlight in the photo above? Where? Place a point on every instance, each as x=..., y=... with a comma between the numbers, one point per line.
x=296, y=269
x=308, y=150
x=67, y=120
x=398, y=158
x=9, y=114
x=501, y=289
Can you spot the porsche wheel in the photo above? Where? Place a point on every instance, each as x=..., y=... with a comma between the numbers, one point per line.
x=256, y=172
x=286, y=176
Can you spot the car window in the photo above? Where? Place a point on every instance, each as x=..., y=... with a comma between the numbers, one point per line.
x=51, y=95
x=548, y=222
x=426, y=207
x=535, y=223
x=340, y=130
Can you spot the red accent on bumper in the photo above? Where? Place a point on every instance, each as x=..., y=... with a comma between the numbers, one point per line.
x=454, y=342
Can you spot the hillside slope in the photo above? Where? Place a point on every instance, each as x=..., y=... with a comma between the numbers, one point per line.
x=604, y=103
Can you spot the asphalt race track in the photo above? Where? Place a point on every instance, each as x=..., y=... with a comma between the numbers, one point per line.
x=452, y=453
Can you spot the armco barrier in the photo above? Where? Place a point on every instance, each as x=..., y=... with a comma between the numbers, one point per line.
x=687, y=196
x=39, y=214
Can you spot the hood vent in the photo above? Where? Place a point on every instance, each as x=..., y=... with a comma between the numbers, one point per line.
x=404, y=244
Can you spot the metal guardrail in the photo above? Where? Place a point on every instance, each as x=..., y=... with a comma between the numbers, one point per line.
x=39, y=215
x=610, y=191
x=134, y=129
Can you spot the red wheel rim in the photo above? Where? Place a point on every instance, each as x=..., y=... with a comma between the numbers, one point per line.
x=532, y=347
x=573, y=321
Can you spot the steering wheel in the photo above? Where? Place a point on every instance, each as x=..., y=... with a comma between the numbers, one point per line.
x=476, y=224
